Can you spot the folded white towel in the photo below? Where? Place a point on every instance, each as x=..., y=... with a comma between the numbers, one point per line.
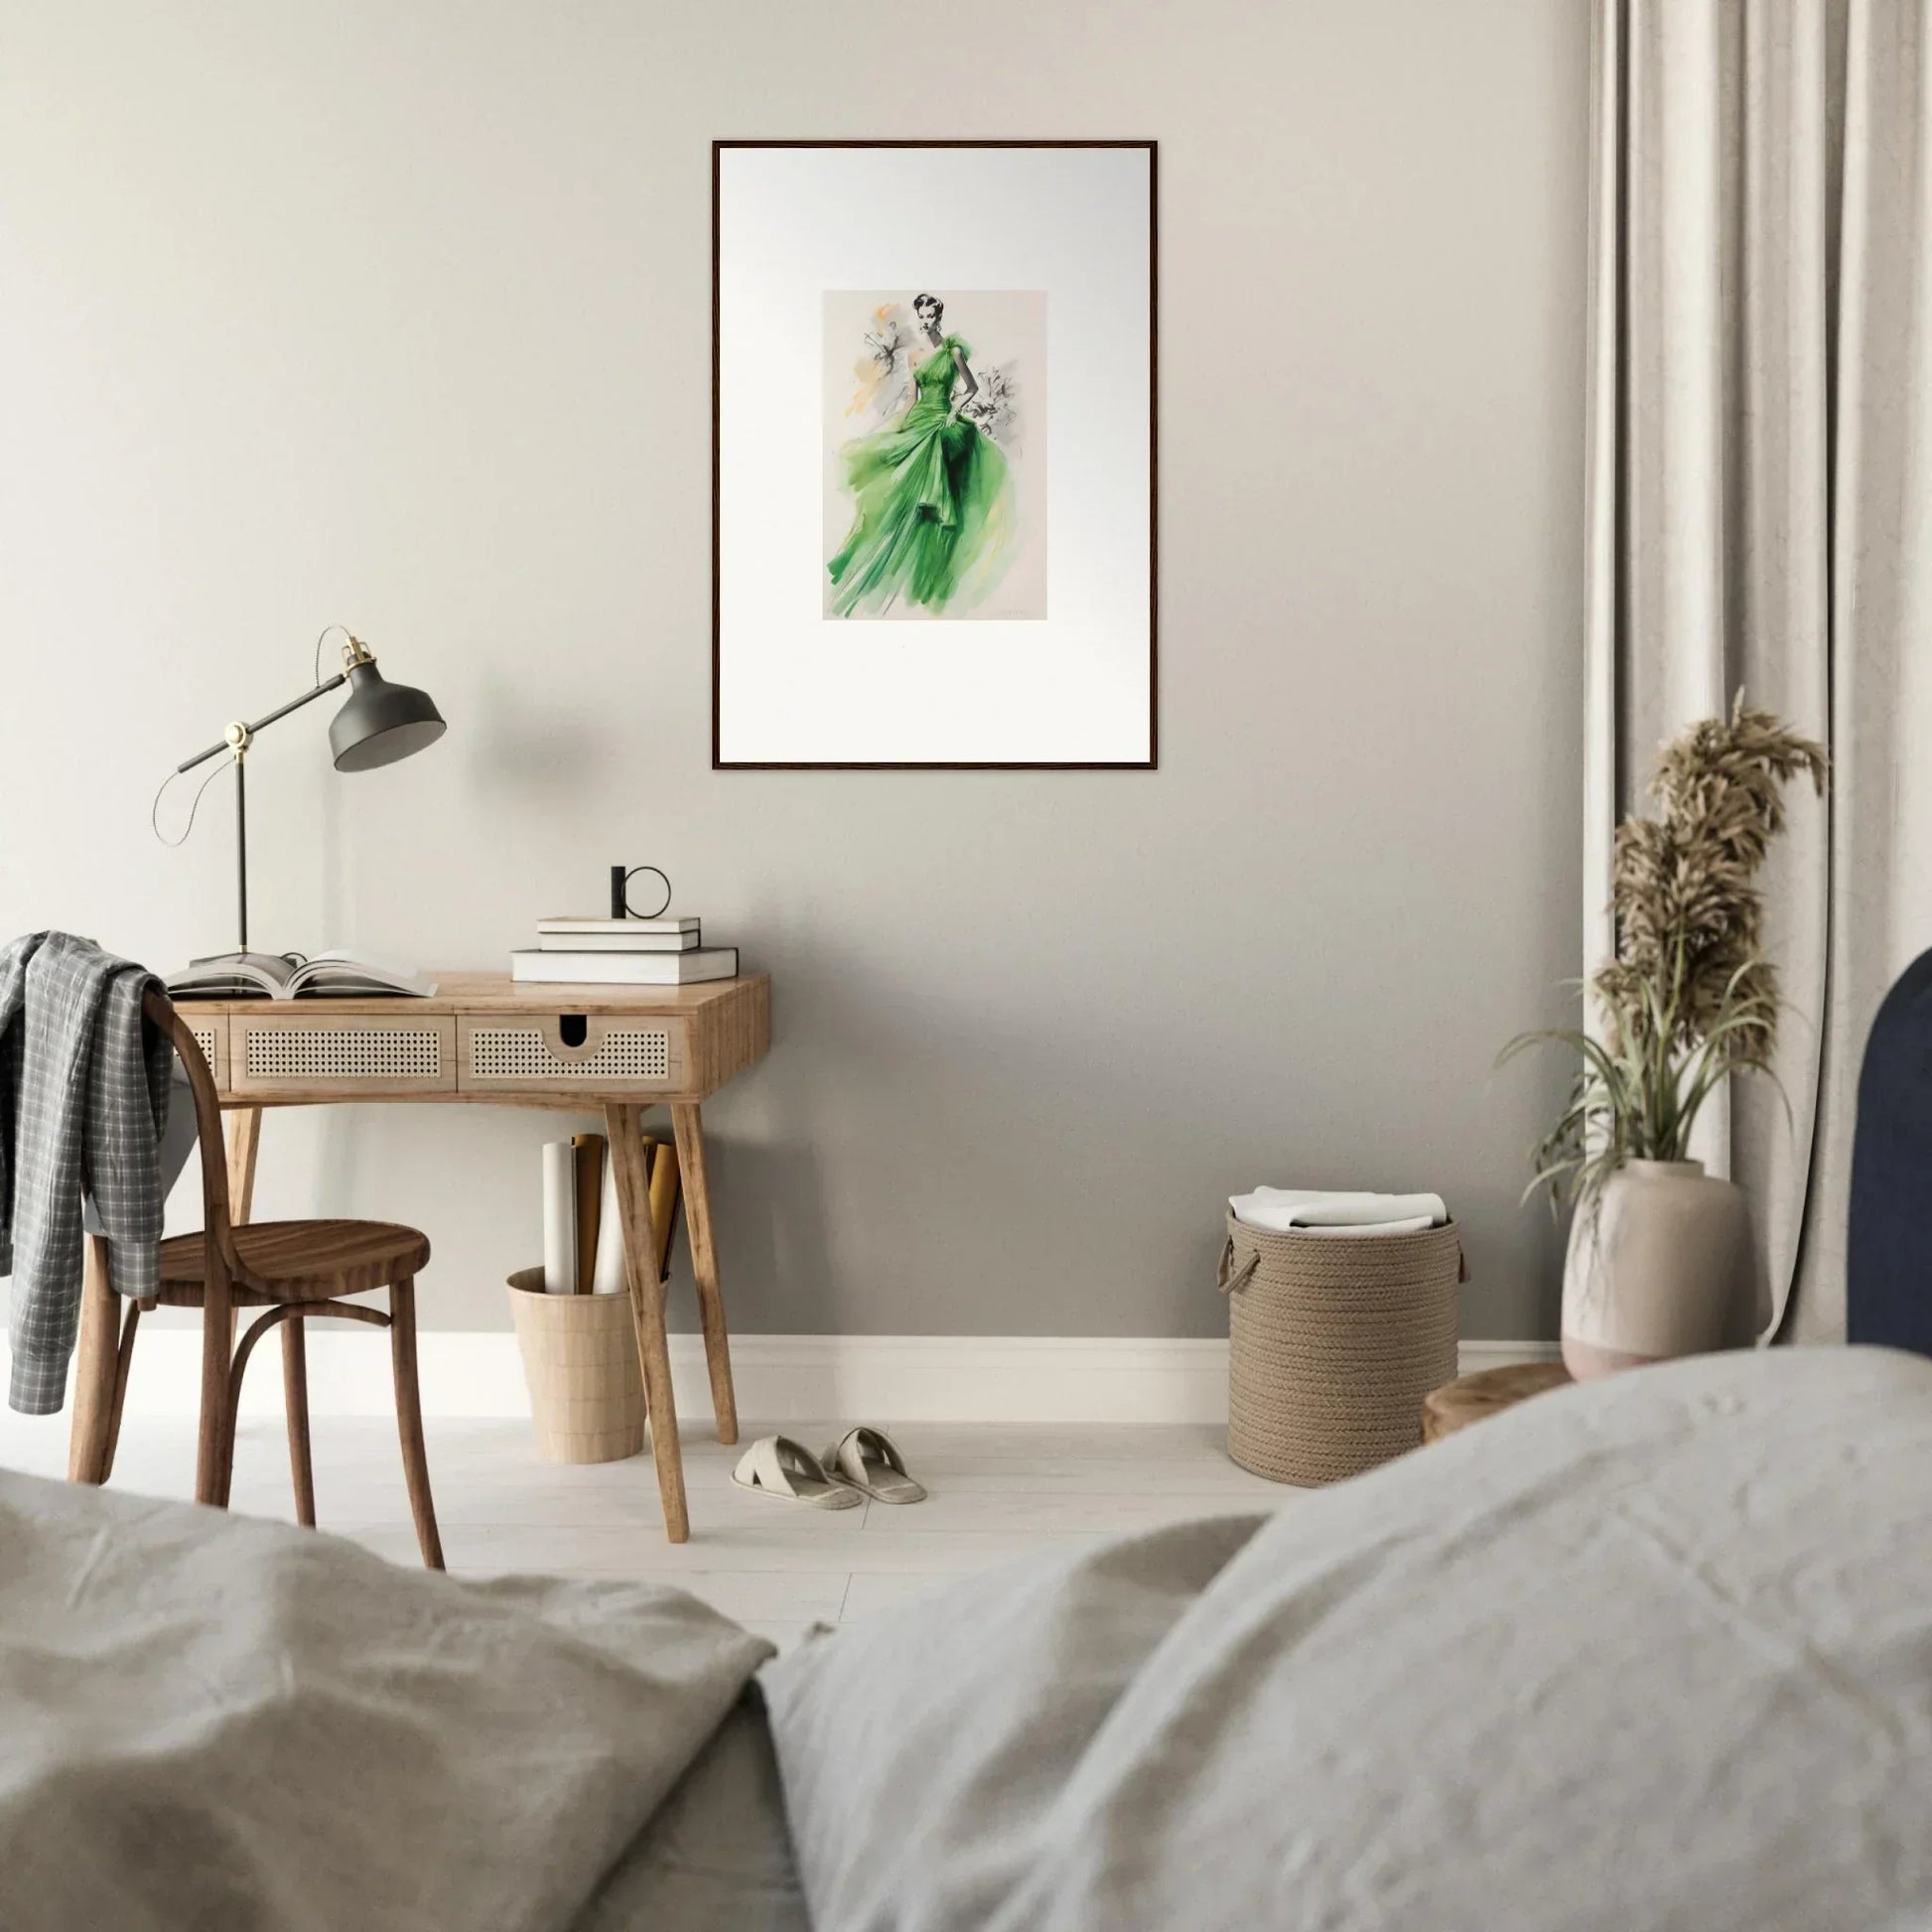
x=1317, y=1212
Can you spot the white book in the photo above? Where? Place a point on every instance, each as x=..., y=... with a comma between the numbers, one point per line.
x=606, y=1272
x=289, y=976
x=619, y=941
x=624, y=968
x=560, y=923
x=558, y=1218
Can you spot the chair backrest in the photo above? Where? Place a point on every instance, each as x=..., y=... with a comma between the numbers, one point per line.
x=223, y=1262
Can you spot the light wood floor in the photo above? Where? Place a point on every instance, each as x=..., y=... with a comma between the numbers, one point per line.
x=998, y=1491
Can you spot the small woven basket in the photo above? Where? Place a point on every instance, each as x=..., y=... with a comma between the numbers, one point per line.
x=580, y=1361
x=1333, y=1340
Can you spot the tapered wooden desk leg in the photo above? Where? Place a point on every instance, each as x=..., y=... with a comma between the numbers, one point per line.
x=624, y=1125
x=295, y=1403
x=245, y=1141
x=123, y=1368
x=687, y=1125
x=94, y=1369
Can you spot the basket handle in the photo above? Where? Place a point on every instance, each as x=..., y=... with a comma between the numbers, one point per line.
x=1227, y=1277
x=1231, y=1280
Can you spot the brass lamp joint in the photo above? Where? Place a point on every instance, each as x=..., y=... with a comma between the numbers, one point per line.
x=355, y=652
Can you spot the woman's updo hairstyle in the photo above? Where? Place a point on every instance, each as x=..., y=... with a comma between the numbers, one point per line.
x=931, y=302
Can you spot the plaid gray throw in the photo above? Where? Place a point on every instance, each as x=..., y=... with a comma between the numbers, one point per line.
x=84, y=1097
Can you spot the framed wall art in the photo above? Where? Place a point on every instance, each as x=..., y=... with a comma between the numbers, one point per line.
x=933, y=464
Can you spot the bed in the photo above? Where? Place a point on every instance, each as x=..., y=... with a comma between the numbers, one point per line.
x=1656, y=1651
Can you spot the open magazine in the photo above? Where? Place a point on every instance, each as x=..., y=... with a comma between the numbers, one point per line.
x=291, y=976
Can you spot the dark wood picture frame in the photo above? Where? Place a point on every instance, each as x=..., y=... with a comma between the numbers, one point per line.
x=1153, y=759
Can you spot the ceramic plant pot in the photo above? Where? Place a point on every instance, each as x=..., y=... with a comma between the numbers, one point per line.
x=1658, y=1266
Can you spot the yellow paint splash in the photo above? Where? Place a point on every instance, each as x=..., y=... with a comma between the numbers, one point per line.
x=871, y=374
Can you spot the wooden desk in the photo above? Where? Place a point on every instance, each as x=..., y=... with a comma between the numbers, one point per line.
x=485, y=1041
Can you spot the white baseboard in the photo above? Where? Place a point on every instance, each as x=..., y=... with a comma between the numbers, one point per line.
x=779, y=1378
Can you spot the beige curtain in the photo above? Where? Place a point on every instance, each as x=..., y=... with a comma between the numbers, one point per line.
x=1760, y=431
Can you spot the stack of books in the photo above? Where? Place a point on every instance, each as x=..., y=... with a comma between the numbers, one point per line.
x=621, y=952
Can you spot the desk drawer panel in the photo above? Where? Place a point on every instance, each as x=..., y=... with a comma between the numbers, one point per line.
x=210, y=1031
x=552, y=1052
x=294, y=1052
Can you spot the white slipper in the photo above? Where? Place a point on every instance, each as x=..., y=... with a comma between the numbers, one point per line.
x=867, y=1459
x=775, y=1465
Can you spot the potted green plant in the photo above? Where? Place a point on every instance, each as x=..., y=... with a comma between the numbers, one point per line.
x=1659, y=1255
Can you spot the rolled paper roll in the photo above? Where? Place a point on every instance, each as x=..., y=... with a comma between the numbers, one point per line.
x=558, y=1218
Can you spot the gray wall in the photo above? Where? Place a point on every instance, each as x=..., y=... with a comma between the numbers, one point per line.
x=400, y=316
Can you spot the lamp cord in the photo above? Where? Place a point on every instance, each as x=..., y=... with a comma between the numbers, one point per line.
x=154, y=810
x=316, y=674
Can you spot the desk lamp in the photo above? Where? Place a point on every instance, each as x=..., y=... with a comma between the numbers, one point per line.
x=379, y=724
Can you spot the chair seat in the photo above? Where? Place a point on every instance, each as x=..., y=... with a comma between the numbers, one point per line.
x=300, y=1260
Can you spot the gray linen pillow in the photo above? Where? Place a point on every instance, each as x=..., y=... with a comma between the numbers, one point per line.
x=929, y=1740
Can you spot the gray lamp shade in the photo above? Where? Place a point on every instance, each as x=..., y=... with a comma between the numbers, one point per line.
x=381, y=722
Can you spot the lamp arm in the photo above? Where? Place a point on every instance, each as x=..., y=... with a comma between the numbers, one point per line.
x=248, y=731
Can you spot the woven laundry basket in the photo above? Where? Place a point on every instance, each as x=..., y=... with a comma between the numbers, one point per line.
x=580, y=1361
x=1333, y=1340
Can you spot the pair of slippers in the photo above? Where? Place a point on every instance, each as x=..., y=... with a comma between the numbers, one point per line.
x=863, y=1462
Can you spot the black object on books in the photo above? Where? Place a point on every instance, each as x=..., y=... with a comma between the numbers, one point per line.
x=541, y=967
x=621, y=878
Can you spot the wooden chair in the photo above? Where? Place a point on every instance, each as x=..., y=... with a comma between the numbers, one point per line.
x=293, y=1270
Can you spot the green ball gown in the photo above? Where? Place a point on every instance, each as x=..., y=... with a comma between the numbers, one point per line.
x=935, y=504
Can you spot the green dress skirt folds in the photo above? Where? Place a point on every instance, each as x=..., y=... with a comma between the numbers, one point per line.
x=934, y=505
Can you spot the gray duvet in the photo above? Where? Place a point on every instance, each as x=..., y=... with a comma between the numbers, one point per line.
x=1654, y=1653
x=1651, y=1653
x=216, y=1723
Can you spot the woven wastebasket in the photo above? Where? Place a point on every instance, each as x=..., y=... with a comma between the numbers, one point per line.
x=580, y=1360
x=1333, y=1340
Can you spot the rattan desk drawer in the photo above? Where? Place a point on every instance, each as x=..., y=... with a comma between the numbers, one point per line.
x=289, y=1053
x=545, y=1053
x=210, y=1031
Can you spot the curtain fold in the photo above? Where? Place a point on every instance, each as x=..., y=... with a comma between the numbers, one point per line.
x=1760, y=413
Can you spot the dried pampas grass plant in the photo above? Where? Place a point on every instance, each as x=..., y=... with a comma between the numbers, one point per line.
x=1689, y=998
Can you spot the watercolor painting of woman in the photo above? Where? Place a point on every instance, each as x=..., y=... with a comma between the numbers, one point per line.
x=934, y=517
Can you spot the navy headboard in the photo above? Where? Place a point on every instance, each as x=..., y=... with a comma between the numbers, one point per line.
x=1888, y=1263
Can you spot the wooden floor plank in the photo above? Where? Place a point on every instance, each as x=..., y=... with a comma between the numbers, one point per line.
x=998, y=1493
